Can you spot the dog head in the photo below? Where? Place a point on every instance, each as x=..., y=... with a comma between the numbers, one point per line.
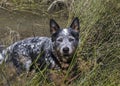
x=65, y=41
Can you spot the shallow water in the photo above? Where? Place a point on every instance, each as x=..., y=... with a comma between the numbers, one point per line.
x=26, y=24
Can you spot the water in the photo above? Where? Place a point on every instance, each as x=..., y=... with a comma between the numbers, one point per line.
x=26, y=24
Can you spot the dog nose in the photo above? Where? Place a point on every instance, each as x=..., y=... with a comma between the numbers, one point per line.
x=66, y=50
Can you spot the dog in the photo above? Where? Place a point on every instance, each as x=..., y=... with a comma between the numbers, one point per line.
x=50, y=51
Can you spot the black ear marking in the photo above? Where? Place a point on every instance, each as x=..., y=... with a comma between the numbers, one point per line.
x=75, y=24
x=53, y=26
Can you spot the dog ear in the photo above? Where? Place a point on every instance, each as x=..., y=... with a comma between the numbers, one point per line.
x=75, y=24
x=53, y=26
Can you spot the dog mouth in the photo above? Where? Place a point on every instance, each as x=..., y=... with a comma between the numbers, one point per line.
x=66, y=54
x=66, y=58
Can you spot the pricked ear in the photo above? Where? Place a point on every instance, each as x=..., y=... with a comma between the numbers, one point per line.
x=53, y=26
x=75, y=24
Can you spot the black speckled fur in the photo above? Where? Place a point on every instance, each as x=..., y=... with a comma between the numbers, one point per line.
x=42, y=50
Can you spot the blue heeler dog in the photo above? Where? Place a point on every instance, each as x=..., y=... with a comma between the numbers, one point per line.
x=60, y=47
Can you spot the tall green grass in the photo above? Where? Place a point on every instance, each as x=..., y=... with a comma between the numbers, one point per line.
x=99, y=51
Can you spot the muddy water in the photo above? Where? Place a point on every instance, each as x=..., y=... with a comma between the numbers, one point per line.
x=26, y=24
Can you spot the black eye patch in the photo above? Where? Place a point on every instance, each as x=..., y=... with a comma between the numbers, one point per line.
x=71, y=39
x=55, y=35
x=74, y=34
x=60, y=39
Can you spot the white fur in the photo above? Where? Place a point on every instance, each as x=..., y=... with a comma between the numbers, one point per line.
x=65, y=31
x=27, y=65
x=1, y=59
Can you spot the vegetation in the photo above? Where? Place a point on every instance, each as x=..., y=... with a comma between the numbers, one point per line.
x=100, y=29
x=98, y=55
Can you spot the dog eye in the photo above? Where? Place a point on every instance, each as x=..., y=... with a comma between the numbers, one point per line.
x=71, y=39
x=60, y=40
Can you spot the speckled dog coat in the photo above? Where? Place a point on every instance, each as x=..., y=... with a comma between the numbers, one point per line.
x=50, y=51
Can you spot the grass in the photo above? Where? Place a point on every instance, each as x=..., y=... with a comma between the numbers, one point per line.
x=99, y=47
x=98, y=55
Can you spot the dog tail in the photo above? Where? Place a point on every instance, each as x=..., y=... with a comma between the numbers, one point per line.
x=1, y=56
